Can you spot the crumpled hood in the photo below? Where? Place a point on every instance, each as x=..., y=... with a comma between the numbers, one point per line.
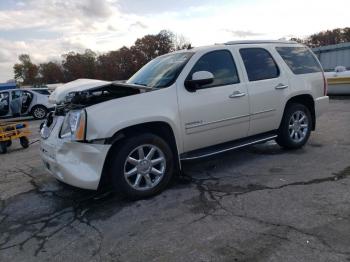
x=78, y=85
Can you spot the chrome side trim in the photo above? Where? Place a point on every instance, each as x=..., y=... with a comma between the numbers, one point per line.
x=262, y=112
x=231, y=148
x=215, y=122
x=200, y=123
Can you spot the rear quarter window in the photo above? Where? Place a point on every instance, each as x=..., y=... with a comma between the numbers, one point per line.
x=299, y=59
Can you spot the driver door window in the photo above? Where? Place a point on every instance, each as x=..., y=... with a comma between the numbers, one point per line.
x=221, y=65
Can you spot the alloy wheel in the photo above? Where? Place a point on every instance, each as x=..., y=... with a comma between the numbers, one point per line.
x=39, y=113
x=145, y=167
x=298, y=126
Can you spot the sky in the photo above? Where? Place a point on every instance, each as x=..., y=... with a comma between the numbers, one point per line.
x=46, y=29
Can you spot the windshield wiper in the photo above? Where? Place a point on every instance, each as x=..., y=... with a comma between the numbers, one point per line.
x=140, y=84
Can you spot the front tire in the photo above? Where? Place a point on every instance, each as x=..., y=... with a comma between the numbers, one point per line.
x=295, y=127
x=3, y=147
x=39, y=112
x=24, y=141
x=142, y=166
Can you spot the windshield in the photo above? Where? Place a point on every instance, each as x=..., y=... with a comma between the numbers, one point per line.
x=161, y=71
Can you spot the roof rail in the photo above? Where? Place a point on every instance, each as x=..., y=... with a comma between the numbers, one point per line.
x=260, y=42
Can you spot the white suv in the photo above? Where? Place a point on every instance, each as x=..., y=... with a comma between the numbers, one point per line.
x=181, y=106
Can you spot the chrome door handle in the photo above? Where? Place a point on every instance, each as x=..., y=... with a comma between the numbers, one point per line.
x=281, y=86
x=236, y=94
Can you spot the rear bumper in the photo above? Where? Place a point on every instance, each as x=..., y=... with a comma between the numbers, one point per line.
x=321, y=105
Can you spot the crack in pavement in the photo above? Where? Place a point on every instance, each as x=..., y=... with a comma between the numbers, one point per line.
x=211, y=194
x=211, y=189
x=77, y=214
x=43, y=229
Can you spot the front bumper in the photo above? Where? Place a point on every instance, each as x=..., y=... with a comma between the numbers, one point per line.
x=74, y=163
x=321, y=105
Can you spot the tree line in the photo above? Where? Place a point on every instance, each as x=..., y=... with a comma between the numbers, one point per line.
x=114, y=65
x=328, y=37
x=124, y=62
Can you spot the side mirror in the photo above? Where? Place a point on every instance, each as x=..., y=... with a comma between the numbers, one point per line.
x=199, y=79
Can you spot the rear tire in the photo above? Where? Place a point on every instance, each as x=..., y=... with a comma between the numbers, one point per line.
x=142, y=166
x=295, y=127
x=39, y=112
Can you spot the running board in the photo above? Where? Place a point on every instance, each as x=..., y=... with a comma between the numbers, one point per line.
x=228, y=146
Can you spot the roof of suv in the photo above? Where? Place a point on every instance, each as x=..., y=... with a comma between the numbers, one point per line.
x=242, y=42
x=252, y=42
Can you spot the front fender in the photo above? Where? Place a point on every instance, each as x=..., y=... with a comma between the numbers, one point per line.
x=106, y=119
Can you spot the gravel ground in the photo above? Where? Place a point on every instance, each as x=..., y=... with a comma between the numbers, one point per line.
x=260, y=203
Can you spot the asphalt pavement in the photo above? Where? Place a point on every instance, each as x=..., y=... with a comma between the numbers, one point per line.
x=260, y=203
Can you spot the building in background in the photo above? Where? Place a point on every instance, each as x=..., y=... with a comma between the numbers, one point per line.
x=332, y=56
x=5, y=86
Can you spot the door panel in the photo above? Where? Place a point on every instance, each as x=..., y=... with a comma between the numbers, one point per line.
x=27, y=99
x=16, y=102
x=214, y=114
x=266, y=105
x=267, y=86
x=4, y=103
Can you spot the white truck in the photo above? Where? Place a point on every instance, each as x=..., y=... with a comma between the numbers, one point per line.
x=181, y=106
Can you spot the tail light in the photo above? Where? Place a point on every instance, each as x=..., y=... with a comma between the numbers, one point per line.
x=325, y=84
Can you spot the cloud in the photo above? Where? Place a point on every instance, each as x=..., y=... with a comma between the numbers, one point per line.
x=242, y=33
x=5, y=56
x=45, y=29
x=150, y=7
x=139, y=24
x=97, y=8
x=58, y=14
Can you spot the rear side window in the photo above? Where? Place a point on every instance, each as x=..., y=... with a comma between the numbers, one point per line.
x=259, y=64
x=299, y=59
x=220, y=63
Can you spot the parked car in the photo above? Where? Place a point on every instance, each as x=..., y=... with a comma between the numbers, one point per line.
x=24, y=102
x=182, y=106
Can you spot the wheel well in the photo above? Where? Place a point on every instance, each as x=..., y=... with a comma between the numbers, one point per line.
x=161, y=129
x=307, y=101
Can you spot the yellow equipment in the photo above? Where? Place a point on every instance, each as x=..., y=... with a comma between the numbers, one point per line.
x=13, y=130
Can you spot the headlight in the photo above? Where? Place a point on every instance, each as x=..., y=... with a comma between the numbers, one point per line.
x=74, y=125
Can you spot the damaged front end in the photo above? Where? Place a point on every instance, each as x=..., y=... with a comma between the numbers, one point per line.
x=72, y=162
x=75, y=100
x=64, y=149
x=72, y=99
